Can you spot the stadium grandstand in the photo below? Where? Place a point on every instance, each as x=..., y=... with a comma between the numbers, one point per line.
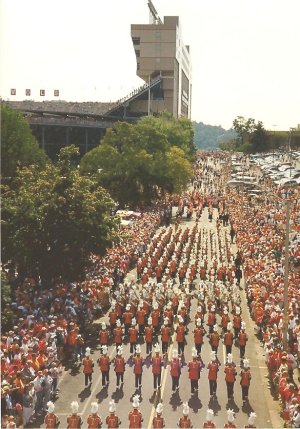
x=163, y=62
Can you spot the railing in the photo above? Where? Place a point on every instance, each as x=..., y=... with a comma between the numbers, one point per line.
x=70, y=122
x=133, y=93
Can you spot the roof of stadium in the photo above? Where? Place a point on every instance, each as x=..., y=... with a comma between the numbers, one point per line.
x=65, y=107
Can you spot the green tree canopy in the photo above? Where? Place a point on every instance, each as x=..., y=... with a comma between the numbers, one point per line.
x=54, y=219
x=18, y=146
x=134, y=162
x=252, y=137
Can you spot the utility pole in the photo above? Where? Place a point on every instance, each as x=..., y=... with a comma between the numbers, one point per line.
x=149, y=97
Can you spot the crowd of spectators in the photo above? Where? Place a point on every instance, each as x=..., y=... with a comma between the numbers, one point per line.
x=51, y=324
x=260, y=236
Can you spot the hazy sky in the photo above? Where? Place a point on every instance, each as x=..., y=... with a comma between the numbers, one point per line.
x=245, y=53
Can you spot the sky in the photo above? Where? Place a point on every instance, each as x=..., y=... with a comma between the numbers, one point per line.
x=245, y=54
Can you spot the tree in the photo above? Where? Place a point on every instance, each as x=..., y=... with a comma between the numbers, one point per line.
x=54, y=219
x=252, y=137
x=19, y=147
x=133, y=161
x=259, y=138
x=243, y=127
x=7, y=315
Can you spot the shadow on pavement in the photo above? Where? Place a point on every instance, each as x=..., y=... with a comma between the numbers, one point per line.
x=103, y=394
x=38, y=422
x=118, y=394
x=214, y=405
x=195, y=404
x=232, y=405
x=175, y=400
x=247, y=408
x=84, y=394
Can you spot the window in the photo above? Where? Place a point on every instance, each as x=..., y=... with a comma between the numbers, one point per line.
x=138, y=66
x=136, y=40
x=138, y=53
x=157, y=34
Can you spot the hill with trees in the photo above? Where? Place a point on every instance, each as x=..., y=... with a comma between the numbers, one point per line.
x=209, y=137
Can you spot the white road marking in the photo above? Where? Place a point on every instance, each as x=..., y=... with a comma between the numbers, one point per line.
x=224, y=353
x=164, y=379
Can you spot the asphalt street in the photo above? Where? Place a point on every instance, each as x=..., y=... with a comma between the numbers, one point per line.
x=260, y=400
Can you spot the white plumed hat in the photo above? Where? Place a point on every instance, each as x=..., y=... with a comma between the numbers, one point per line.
x=118, y=323
x=50, y=407
x=136, y=401
x=194, y=352
x=103, y=325
x=229, y=358
x=230, y=415
x=174, y=354
x=138, y=349
x=159, y=408
x=94, y=407
x=87, y=351
x=157, y=348
x=251, y=418
x=213, y=355
x=243, y=325
x=104, y=349
x=186, y=409
x=120, y=351
x=209, y=414
x=216, y=328
x=246, y=363
x=150, y=321
x=199, y=322
x=74, y=407
x=112, y=406
x=229, y=326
